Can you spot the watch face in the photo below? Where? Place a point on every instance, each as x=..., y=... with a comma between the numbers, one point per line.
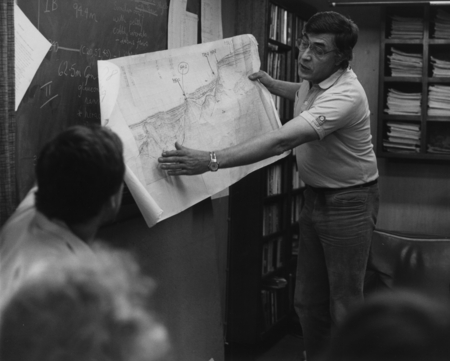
x=214, y=166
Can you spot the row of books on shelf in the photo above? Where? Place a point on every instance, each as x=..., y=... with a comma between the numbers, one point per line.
x=284, y=25
x=297, y=182
x=274, y=179
x=439, y=100
x=278, y=67
x=406, y=27
x=412, y=27
x=404, y=63
x=402, y=137
x=273, y=306
x=296, y=207
x=272, y=255
x=276, y=63
x=403, y=103
x=407, y=64
x=441, y=24
x=277, y=298
x=271, y=219
x=295, y=244
x=409, y=103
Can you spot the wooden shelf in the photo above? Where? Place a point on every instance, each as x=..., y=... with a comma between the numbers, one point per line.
x=255, y=257
x=434, y=130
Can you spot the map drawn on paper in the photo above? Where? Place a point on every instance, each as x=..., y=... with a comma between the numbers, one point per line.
x=199, y=96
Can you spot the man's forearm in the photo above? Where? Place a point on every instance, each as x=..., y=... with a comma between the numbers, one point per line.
x=284, y=89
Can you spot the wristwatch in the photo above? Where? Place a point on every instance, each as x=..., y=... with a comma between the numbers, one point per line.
x=213, y=164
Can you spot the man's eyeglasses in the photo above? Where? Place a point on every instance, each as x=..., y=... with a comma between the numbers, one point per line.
x=303, y=45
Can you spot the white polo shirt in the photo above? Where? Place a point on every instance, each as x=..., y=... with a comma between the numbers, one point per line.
x=338, y=110
x=29, y=239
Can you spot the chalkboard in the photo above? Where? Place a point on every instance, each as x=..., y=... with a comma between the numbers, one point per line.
x=64, y=91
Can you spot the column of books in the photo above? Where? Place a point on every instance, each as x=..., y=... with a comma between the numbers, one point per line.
x=439, y=133
x=273, y=299
x=403, y=137
x=280, y=33
x=271, y=219
x=272, y=255
x=299, y=23
x=284, y=29
x=438, y=94
x=274, y=179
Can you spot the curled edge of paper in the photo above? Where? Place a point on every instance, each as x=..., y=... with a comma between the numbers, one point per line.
x=147, y=205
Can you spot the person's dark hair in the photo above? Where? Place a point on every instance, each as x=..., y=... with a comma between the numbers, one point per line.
x=344, y=30
x=85, y=308
x=77, y=172
x=394, y=326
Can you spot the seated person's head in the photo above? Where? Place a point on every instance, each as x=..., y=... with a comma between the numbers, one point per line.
x=78, y=172
x=394, y=326
x=83, y=311
x=345, y=32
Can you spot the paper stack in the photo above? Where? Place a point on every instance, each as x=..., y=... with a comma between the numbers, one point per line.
x=400, y=103
x=406, y=28
x=405, y=64
x=402, y=137
x=442, y=25
x=439, y=100
x=441, y=68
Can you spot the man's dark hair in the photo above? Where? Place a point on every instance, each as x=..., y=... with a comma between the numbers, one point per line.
x=394, y=325
x=77, y=172
x=344, y=30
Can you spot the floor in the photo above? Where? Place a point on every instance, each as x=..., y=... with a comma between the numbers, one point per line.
x=289, y=348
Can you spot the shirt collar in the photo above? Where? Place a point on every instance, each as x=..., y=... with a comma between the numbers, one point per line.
x=58, y=227
x=332, y=79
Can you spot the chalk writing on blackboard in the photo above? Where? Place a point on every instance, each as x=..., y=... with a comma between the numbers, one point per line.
x=65, y=89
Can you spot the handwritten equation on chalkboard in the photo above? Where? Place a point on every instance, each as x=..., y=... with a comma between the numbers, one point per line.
x=65, y=88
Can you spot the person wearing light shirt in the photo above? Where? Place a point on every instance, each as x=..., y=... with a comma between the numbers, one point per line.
x=79, y=187
x=330, y=135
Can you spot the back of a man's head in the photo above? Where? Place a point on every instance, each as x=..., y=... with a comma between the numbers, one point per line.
x=82, y=310
x=400, y=325
x=77, y=172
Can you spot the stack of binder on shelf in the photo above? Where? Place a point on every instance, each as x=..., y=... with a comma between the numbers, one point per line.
x=441, y=68
x=405, y=64
x=439, y=100
x=401, y=103
x=402, y=137
x=406, y=27
x=442, y=24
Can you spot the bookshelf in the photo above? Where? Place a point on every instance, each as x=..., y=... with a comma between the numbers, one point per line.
x=264, y=207
x=414, y=83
